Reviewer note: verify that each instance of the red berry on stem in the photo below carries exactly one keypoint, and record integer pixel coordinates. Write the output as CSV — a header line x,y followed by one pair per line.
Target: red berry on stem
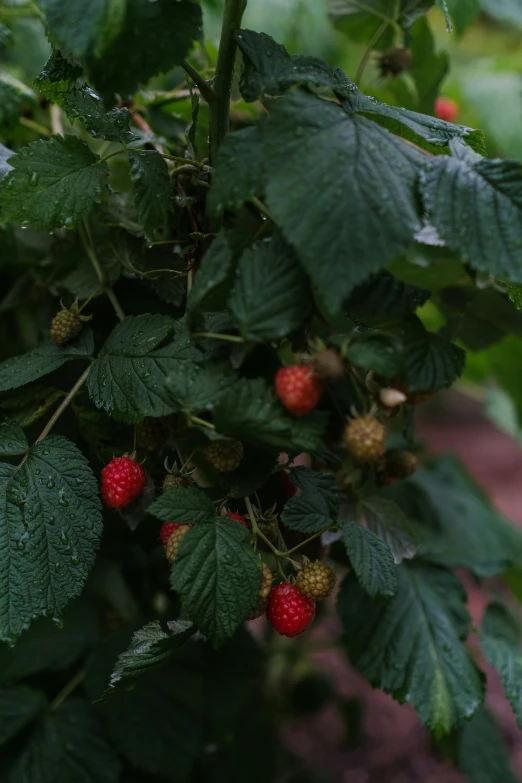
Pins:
x,y
237,518
299,388
446,109
289,611
166,529
123,480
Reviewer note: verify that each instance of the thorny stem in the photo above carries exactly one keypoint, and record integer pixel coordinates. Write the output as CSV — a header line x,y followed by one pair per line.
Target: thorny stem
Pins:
x,y
64,404
206,91
220,107
369,49
68,689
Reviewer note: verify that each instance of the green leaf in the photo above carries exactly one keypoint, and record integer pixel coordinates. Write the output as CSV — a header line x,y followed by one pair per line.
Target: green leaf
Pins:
x,y
463,13
251,412
158,725
317,507
430,361
386,519
83,104
271,296
482,753
52,183
66,741
238,172
363,20
183,505
382,221
482,220
5,167
371,559
377,353
12,438
455,522
49,531
217,575
25,406
151,186
196,388
57,76
20,370
423,129
384,294
150,648
411,646
214,271
19,706
47,647
129,377
102,34
13,95
270,70
500,642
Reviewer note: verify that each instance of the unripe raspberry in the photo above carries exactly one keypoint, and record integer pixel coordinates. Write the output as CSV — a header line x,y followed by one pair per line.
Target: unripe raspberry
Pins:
x,y
175,540
174,481
67,324
446,109
166,529
237,518
394,61
153,433
288,610
328,364
123,480
316,580
365,438
299,388
401,464
224,455
266,584
392,398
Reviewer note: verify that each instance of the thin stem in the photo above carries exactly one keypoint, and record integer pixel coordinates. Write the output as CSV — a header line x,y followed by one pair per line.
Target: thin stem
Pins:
x,y
179,159
110,155
111,296
303,543
220,107
68,689
201,422
190,279
206,91
257,532
35,126
64,404
261,207
369,49
231,338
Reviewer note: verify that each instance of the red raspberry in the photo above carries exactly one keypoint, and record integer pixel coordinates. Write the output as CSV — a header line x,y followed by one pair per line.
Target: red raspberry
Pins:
x,y
288,610
299,388
446,109
123,480
237,518
166,529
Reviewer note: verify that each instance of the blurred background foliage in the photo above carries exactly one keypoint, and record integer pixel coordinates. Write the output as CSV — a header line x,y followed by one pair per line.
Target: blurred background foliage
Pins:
x,y
478,64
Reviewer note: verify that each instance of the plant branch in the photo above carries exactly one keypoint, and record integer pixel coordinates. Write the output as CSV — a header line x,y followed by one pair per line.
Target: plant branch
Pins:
x,y
220,107
68,689
64,404
369,49
206,91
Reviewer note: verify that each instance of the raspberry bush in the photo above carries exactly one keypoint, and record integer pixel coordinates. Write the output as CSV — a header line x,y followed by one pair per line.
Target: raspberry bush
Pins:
x,y
265,271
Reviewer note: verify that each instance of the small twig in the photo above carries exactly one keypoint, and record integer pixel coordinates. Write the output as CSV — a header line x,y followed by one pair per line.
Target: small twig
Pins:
x,y
35,126
206,91
63,405
231,338
68,689
369,49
